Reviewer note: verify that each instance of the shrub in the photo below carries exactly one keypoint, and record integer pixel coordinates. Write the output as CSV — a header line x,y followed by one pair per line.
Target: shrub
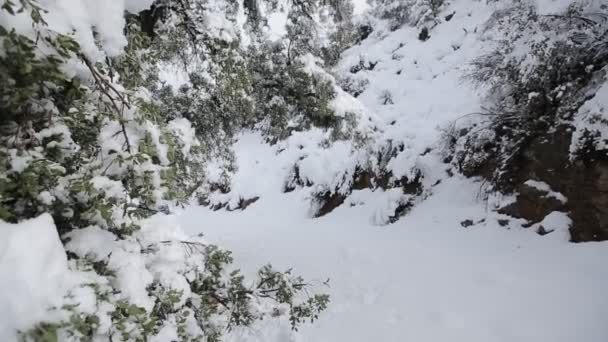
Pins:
x,y
533,91
84,140
412,12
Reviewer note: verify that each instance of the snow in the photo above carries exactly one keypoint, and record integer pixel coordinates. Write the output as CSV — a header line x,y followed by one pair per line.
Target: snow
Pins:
x,y
183,128
424,278
277,21
33,271
19,162
379,204
133,264
361,6
79,18
544,187
46,197
591,118
557,225
111,188
91,240
424,79
132,277
173,75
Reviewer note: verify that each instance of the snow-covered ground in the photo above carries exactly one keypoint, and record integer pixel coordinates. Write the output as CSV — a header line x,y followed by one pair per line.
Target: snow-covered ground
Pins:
x,y
425,277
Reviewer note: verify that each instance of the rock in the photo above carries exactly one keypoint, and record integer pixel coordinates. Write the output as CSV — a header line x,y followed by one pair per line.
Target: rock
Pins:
x,y
466,223
424,34
366,179
503,222
364,31
584,182
244,203
410,186
542,231
328,202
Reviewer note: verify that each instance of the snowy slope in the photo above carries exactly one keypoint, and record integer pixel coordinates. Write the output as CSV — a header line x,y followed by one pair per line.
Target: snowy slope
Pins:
x,y
424,79
426,277
451,269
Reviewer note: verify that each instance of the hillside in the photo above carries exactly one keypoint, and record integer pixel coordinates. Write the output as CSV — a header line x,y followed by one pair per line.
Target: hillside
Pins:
x,y
434,170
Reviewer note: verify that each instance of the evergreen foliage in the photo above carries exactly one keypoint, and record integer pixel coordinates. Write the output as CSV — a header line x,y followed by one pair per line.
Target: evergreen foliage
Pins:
x,y
111,145
411,12
262,84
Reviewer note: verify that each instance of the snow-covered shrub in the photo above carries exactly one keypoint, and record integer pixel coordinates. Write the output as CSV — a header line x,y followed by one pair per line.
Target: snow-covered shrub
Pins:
x,y
339,28
364,64
322,28
263,83
161,284
386,97
81,147
353,85
412,12
538,77
85,139
289,97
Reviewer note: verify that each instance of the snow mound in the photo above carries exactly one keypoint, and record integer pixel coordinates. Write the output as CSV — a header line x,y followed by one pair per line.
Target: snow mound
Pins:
x,y
33,272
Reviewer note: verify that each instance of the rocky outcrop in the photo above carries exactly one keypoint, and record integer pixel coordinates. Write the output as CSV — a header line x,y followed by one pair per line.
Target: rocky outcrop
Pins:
x,y
367,179
327,202
583,181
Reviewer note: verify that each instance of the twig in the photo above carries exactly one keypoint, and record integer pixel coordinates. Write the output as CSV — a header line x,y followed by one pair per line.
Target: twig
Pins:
x,y
190,246
105,87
